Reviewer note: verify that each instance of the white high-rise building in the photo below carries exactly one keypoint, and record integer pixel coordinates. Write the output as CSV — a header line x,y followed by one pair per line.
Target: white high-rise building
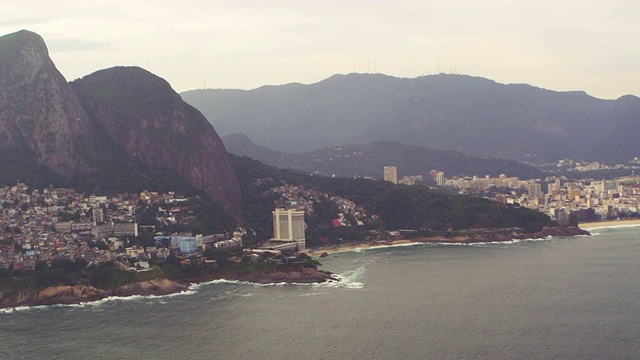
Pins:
x,y
391,174
98,215
440,178
288,225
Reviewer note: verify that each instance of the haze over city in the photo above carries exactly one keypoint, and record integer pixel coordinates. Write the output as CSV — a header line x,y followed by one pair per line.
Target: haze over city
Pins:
x,y
559,45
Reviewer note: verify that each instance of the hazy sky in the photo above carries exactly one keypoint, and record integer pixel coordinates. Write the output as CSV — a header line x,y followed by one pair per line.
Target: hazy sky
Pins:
x,y
560,45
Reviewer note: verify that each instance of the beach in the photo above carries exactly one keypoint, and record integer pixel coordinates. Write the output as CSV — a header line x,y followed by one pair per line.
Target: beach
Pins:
x,y
471,238
609,224
353,246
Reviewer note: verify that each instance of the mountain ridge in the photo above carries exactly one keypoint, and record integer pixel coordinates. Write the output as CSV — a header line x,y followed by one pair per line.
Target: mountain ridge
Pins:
x,y
478,116
368,160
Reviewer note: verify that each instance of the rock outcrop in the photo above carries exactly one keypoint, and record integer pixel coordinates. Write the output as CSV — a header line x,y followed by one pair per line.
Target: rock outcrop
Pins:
x,y
140,112
38,109
304,276
83,293
54,295
161,286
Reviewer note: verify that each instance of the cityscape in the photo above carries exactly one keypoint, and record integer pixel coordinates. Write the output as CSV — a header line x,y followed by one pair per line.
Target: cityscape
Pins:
x,y
43,225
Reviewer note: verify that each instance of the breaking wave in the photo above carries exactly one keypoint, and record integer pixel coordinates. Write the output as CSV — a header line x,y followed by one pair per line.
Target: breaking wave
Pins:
x,y
349,280
94,304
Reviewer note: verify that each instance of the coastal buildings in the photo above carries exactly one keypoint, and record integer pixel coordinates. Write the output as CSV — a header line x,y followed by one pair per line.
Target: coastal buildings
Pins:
x,y
391,174
534,190
42,226
288,225
564,201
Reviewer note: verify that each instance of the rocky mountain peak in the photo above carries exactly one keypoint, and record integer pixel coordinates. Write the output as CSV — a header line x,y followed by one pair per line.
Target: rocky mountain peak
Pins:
x,y
142,114
38,109
111,123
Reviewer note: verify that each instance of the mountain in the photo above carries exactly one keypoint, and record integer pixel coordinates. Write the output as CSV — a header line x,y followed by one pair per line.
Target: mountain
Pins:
x,y
119,129
369,160
39,112
474,115
142,114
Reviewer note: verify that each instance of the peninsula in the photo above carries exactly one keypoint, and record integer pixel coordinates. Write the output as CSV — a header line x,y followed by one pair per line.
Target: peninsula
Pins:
x,y
75,294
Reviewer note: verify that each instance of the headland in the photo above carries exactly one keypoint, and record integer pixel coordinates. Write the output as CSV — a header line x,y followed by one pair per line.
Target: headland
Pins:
x,y
75,294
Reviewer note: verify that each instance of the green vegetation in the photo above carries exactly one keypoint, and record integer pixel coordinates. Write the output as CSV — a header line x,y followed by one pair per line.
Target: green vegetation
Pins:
x,y
63,272
107,276
207,217
398,206
115,171
20,165
417,207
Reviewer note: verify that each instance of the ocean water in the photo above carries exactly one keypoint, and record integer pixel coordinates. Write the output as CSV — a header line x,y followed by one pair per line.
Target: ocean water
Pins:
x,y
564,298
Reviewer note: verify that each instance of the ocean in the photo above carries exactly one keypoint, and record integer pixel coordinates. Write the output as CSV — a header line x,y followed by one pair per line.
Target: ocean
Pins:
x,y
557,298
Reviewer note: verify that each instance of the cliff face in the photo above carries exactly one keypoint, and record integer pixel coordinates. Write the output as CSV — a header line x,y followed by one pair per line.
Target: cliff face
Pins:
x,y
142,114
38,109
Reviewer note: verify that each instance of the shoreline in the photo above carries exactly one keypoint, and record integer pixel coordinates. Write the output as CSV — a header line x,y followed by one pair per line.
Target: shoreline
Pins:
x,y
82,294
458,240
79,294
609,224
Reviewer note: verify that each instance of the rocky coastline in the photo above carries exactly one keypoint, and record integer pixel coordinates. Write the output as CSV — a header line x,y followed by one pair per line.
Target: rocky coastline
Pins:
x,y
560,231
75,294
304,276
162,286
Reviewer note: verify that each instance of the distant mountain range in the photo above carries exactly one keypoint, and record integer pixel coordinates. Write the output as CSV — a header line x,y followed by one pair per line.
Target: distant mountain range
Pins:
x,y
476,116
369,160
120,128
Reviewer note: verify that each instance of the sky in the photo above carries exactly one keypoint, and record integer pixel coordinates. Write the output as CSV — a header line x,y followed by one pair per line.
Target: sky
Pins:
x,y
559,45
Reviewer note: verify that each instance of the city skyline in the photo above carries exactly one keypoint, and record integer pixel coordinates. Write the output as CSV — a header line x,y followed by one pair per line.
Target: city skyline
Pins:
x,y
565,45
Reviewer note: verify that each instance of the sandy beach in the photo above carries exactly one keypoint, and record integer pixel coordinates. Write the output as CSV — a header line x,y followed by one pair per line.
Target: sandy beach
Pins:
x,y
608,224
316,252
379,244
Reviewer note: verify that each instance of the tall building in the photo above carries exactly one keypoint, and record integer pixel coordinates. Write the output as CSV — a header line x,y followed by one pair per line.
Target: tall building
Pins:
x,y
98,215
534,190
288,225
440,178
391,174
